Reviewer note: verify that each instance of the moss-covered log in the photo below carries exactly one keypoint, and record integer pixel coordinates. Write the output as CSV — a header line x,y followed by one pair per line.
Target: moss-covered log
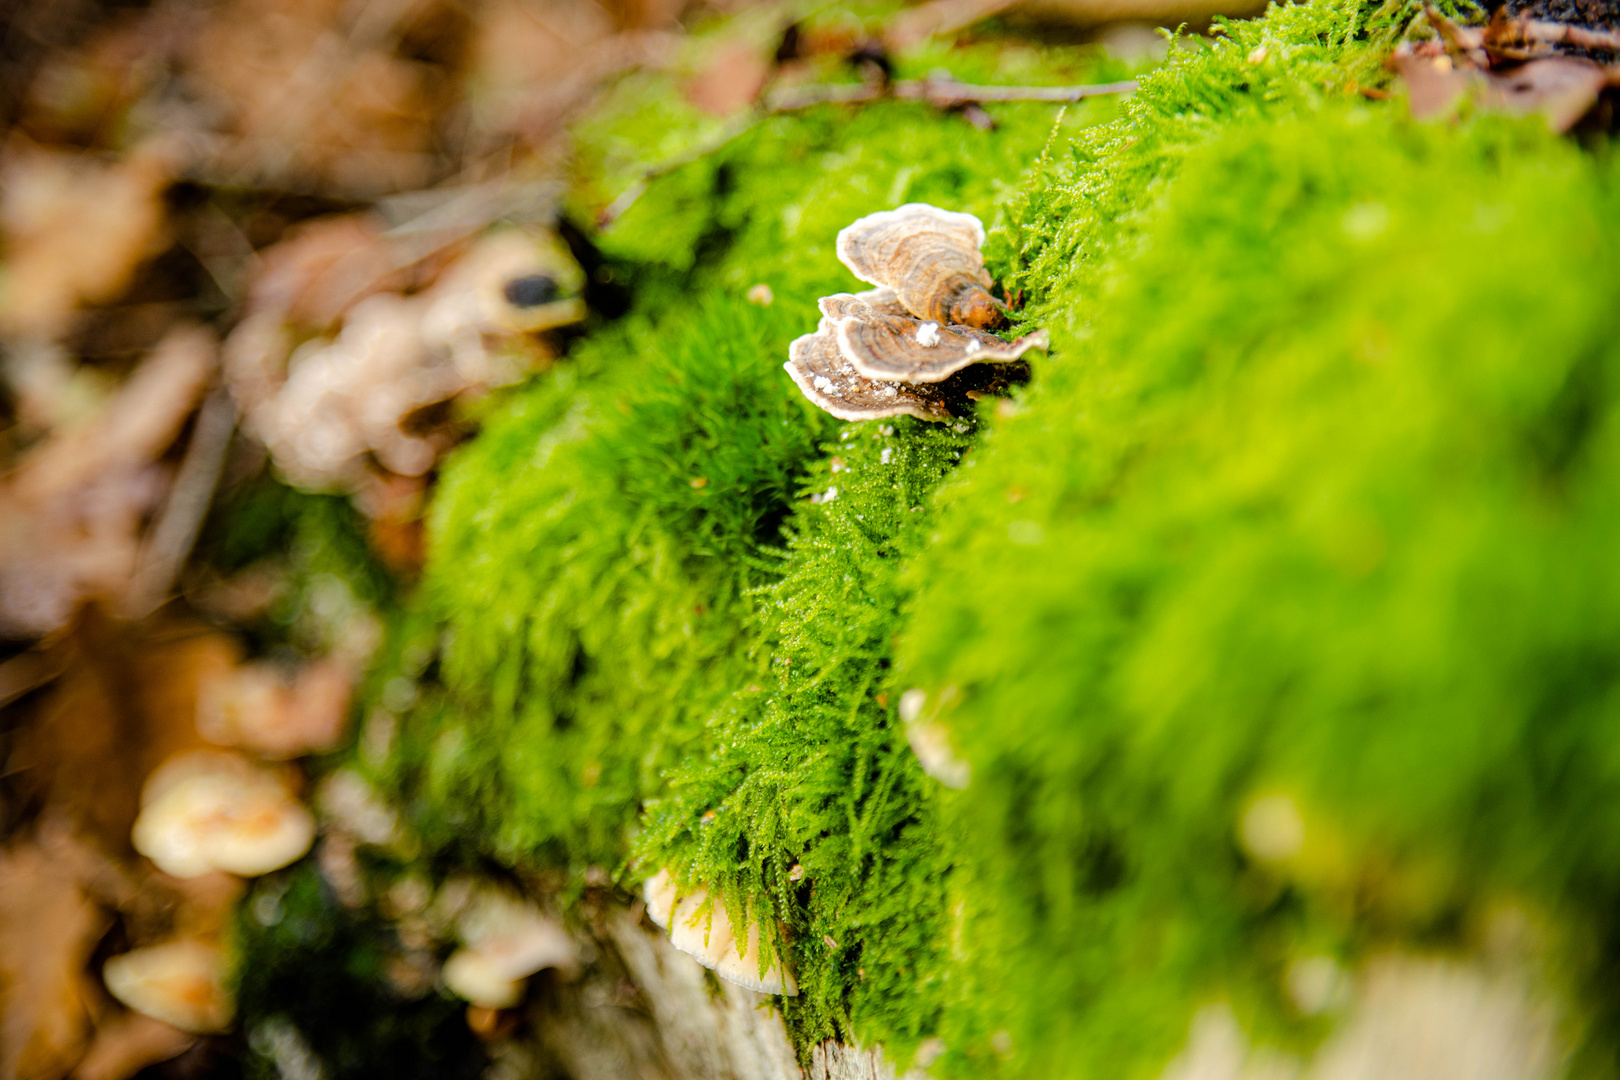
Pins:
x,y
1277,621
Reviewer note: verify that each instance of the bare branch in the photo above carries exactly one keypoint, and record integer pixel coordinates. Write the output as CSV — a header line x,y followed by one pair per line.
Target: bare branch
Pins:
x,y
942,93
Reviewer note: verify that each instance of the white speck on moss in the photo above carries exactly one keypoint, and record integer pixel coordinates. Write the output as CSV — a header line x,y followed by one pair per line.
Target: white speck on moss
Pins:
x,y
886,429
1272,829
932,744
911,704
928,335
887,455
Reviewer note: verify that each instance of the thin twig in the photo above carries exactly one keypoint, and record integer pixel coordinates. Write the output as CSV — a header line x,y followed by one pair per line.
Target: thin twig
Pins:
x,y
1537,32
1464,42
176,529
27,672
940,93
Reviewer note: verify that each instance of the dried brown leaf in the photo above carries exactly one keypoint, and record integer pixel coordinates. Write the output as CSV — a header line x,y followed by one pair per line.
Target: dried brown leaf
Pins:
x,y
1561,88
129,1042
273,713
76,227
732,79
71,516
48,929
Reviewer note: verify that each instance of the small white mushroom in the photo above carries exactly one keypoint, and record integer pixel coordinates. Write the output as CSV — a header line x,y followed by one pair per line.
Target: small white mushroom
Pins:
x,y
710,938
180,983
476,978
207,810
505,940
930,258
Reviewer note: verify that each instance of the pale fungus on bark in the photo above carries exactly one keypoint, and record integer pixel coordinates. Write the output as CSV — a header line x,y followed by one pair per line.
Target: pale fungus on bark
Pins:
x,y
709,937
210,810
328,408
180,983
505,939
930,258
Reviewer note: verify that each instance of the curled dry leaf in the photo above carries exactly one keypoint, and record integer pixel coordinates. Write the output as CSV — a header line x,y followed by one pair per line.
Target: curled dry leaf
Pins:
x,y
211,810
709,937
1563,89
930,258
732,79
181,983
274,713
331,407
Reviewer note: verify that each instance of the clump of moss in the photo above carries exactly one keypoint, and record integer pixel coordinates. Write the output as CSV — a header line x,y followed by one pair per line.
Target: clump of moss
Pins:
x,y
812,806
591,554
1315,499
628,543
1298,445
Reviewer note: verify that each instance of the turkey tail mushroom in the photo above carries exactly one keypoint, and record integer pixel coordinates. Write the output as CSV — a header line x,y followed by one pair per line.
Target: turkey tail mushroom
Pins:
x,y
930,258
832,383
900,348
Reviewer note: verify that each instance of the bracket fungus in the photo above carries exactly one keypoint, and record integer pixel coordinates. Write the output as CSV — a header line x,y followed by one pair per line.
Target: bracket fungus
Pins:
x,y
210,810
930,258
899,347
827,378
916,344
180,983
708,937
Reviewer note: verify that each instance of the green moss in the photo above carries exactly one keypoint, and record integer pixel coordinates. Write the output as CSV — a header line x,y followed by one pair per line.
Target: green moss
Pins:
x,y
811,806
1312,497
1315,497
591,551
628,546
